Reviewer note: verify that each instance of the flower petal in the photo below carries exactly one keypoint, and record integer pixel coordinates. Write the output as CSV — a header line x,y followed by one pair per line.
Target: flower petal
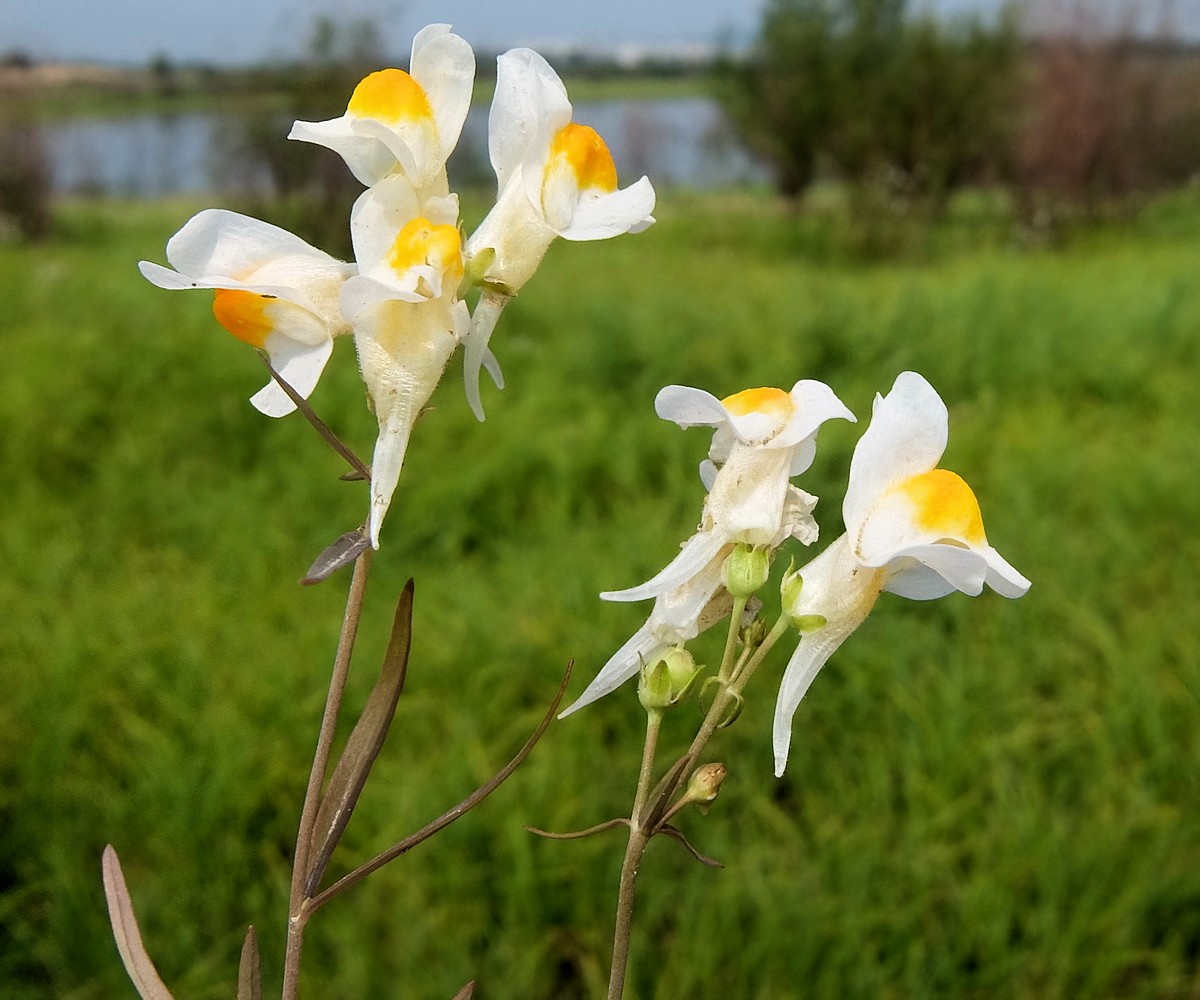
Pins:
x,y
300,365
689,407
696,553
810,656
625,663
1002,577
529,106
217,241
386,463
444,65
608,215
814,403
906,437
361,293
963,568
379,213
369,160
475,347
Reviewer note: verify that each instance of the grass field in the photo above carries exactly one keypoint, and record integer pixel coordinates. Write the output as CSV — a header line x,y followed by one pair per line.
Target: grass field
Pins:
x,y
985,798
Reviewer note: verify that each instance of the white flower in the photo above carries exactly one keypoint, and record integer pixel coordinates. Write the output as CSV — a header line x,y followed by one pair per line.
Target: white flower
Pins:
x,y
678,615
407,121
273,291
911,529
763,438
556,178
406,315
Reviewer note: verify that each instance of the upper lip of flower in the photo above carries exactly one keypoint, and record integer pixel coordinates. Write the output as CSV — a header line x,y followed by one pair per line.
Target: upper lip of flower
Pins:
x,y
419,135
230,252
903,512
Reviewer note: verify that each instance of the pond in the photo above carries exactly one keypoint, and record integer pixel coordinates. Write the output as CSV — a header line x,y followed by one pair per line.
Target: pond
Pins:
x,y
675,141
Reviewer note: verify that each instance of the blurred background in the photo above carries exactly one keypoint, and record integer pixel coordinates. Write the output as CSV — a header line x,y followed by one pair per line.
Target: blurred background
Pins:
x,y
985,798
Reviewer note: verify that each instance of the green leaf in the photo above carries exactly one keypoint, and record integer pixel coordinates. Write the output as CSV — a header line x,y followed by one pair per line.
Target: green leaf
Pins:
x,y
364,744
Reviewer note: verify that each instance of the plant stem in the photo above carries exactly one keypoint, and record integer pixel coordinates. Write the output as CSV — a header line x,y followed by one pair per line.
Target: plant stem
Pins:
x,y
298,910
629,869
735,622
653,725
736,675
633,854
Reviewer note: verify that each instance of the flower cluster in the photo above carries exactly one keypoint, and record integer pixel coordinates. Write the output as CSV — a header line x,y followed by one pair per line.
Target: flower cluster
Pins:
x,y
402,297
912,528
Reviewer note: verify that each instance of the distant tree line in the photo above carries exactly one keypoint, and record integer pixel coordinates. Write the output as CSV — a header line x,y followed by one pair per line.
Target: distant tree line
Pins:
x,y
1071,114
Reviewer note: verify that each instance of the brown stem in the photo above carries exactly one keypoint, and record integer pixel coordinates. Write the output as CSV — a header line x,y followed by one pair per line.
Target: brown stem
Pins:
x,y
319,425
649,819
298,908
638,839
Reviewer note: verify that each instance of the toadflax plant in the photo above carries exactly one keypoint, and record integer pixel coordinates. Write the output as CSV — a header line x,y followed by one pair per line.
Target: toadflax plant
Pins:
x,y
418,289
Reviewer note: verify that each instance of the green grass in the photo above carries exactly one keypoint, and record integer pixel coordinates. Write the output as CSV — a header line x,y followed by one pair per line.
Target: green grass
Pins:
x,y
985,798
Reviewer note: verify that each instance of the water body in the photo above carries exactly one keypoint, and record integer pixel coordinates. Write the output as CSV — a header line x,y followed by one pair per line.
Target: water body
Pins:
x,y
675,141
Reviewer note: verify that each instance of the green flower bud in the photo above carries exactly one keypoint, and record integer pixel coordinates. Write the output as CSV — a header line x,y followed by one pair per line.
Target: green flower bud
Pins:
x,y
790,587
478,265
747,569
790,590
667,680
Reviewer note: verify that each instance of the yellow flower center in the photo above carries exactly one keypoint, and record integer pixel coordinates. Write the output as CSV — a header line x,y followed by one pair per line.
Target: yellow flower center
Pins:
x,y
423,242
945,505
244,314
389,96
587,155
768,401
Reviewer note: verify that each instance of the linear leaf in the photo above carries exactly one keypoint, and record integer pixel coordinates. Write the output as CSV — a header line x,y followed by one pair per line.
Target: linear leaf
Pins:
x,y
345,549
125,929
466,992
250,969
676,834
364,744
450,815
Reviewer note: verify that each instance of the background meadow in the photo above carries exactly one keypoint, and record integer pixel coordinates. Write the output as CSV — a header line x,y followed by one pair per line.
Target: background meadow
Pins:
x,y
985,798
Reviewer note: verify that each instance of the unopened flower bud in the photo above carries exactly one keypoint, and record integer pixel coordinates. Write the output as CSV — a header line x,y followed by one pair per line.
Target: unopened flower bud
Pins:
x,y
705,782
479,263
747,569
754,633
665,681
790,588
791,592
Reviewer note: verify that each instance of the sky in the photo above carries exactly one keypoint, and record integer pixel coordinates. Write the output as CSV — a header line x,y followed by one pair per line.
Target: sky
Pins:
x,y
246,31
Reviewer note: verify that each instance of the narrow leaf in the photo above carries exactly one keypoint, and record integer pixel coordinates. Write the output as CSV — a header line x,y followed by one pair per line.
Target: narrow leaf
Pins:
x,y
450,815
125,929
250,969
466,992
677,835
611,824
364,744
344,550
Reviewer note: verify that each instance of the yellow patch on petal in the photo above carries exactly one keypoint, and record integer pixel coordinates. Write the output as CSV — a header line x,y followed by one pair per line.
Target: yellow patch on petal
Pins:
x,y
945,504
769,402
587,155
244,314
389,96
423,242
